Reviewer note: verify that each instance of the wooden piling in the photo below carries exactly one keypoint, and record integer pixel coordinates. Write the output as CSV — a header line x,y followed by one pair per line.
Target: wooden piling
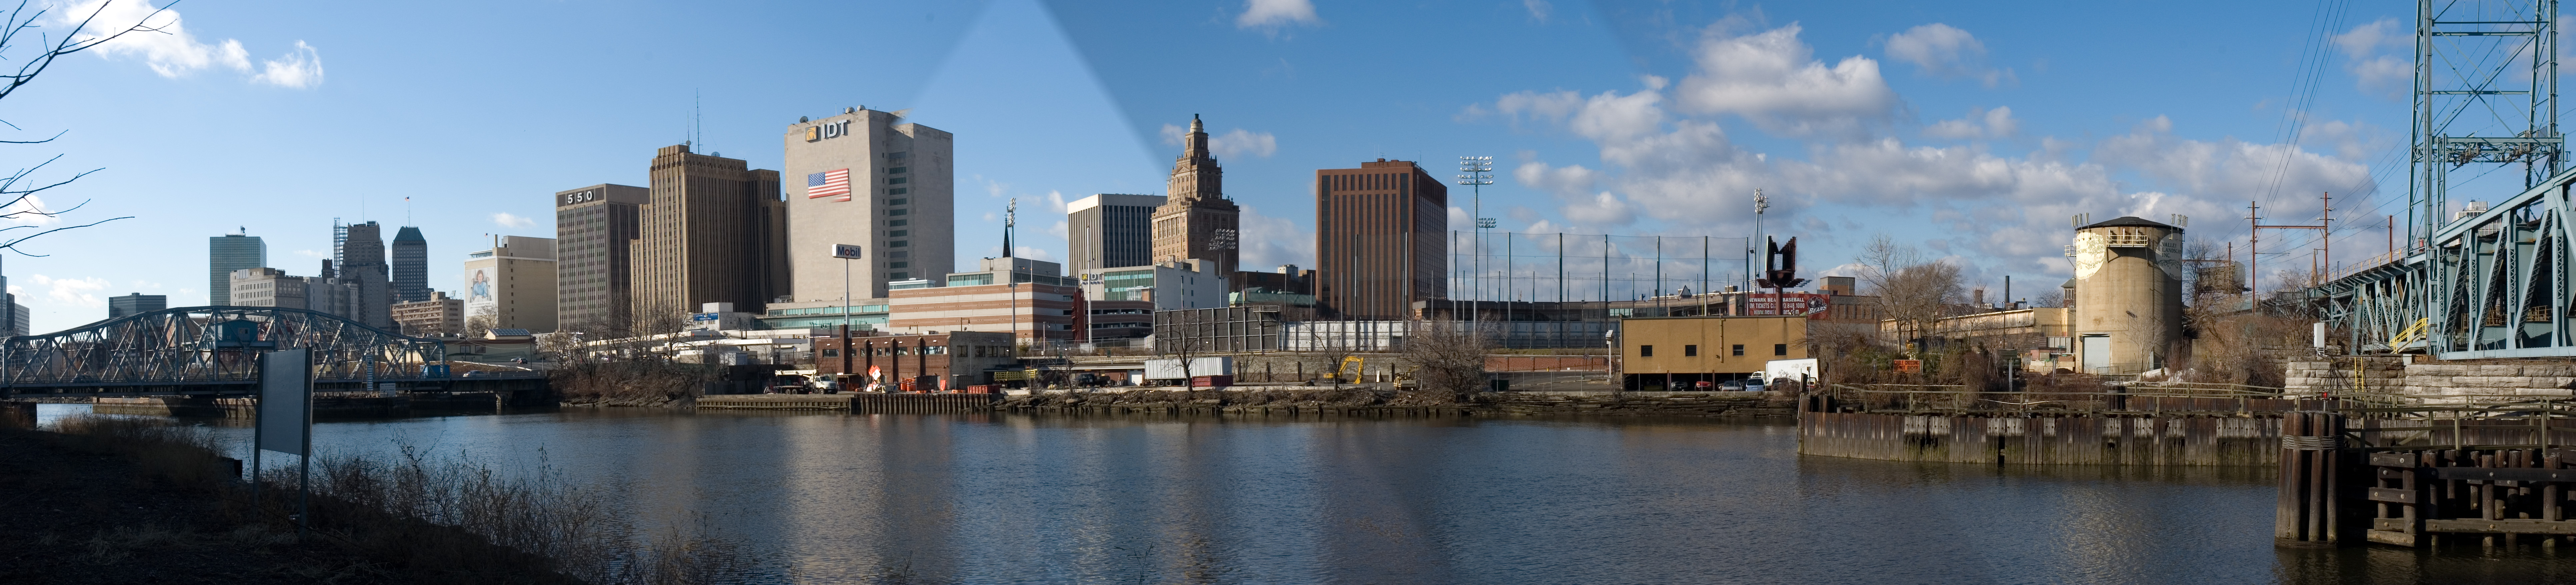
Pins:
x,y
2306,512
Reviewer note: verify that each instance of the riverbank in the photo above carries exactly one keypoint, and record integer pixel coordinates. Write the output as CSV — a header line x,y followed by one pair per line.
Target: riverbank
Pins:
x,y
1363,400
79,512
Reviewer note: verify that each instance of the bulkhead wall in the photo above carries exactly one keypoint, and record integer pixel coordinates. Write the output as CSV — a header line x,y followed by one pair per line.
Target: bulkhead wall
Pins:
x,y
2128,295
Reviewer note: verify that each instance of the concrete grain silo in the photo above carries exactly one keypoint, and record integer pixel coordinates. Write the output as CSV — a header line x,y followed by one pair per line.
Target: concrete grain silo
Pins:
x,y
2128,295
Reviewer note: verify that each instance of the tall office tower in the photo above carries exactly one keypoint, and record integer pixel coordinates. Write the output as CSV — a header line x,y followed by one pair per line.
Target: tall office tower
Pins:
x,y
1109,231
594,277
1381,239
1197,221
13,316
865,179
411,266
709,233
136,303
362,262
225,254
512,285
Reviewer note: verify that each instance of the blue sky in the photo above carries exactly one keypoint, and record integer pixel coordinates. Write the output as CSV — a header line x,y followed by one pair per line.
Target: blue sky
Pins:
x,y
1969,130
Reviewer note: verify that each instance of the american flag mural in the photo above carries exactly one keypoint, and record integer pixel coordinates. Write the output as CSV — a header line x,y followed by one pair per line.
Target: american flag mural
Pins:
x,y
827,184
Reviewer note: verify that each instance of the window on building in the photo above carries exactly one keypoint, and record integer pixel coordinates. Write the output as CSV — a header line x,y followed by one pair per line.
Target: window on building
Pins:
x,y
831,353
900,222
900,191
899,202
902,276
1739,349
900,233
898,170
1779,349
898,180
900,212
1645,351
898,264
1690,350
898,244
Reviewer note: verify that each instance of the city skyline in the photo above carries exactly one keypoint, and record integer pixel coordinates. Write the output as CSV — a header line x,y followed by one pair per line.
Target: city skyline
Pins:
x,y
1953,105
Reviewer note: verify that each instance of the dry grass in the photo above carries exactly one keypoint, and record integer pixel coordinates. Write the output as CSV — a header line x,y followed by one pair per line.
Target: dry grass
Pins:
x,y
2244,349
443,521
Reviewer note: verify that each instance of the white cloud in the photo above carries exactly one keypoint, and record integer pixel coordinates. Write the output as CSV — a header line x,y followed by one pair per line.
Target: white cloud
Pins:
x,y
1941,50
512,221
1175,135
1538,9
1054,202
78,292
1604,209
1269,241
170,50
1240,141
2374,71
1773,80
1980,123
313,253
1273,14
299,69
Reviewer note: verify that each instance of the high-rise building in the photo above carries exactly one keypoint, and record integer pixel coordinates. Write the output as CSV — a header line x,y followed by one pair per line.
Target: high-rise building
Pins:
x,y
225,254
511,285
410,266
710,232
1196,221
361,257
862,178
435,316
594,227
1381,239
14,318
136,303
1108,231
270,287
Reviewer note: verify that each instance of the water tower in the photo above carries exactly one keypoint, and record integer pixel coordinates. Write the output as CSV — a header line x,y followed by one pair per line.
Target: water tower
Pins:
x,y
2128,294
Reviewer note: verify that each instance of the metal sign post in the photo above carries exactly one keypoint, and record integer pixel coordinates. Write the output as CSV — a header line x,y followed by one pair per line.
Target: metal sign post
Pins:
x,y
285,422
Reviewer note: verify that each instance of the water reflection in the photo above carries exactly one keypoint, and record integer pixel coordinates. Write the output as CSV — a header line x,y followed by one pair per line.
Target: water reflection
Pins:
x,y
826,498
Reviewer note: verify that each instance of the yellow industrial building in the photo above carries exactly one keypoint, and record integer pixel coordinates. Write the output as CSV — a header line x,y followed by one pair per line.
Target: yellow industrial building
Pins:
x,y
1679,352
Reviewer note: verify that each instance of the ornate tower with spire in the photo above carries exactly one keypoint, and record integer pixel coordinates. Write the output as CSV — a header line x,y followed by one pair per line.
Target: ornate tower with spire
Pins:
x,y
1197,221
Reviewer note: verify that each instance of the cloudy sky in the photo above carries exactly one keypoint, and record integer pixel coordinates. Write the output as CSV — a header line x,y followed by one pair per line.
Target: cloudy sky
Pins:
x,y
1969,130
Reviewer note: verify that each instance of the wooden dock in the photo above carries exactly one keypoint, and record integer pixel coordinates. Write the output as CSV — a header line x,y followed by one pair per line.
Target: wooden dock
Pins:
x,y
854,403
2091,429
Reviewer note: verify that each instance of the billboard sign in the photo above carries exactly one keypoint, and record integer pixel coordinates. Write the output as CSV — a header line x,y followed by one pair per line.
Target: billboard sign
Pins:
x,y
845,251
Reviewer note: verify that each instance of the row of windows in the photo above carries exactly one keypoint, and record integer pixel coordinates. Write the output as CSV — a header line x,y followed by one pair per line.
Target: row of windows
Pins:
x,y
1777,349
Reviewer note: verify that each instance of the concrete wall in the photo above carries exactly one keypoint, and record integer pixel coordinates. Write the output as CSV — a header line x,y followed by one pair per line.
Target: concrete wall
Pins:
x,y
2128,288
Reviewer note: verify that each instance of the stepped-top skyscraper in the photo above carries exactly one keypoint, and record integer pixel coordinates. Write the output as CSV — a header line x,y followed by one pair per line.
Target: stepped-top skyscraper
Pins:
x,y
1196,220
862,177
225,254
361,260
711,231
411,266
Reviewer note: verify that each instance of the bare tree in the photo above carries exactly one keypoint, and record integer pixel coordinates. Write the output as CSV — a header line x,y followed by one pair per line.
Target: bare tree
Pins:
x,y
1913,291
1448,361
1185,336
480,322
18,200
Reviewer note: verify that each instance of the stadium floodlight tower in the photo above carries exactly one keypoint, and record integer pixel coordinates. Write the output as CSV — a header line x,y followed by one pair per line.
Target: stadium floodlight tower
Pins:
x,y
1479,173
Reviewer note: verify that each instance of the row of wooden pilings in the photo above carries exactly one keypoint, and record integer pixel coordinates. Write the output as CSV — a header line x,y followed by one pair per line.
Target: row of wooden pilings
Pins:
x,y
2500,481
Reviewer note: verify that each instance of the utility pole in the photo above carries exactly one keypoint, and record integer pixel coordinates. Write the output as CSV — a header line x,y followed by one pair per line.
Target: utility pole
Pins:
x,y
1479,173
2325,234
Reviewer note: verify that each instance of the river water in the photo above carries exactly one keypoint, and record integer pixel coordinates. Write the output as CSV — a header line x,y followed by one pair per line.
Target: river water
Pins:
x,y
999,498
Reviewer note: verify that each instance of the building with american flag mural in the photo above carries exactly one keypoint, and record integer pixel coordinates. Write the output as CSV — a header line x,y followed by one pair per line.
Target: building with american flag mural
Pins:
x,y
868,178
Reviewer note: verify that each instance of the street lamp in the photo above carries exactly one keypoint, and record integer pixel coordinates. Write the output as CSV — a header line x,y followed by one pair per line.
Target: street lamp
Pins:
x,y
845,252
1609,355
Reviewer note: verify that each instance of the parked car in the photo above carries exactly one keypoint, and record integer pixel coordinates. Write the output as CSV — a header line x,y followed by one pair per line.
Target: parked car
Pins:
x,y
1731,386
1753,386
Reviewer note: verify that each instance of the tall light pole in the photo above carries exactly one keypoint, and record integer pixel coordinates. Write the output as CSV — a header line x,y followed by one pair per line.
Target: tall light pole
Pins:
x,y
1479,173
845,252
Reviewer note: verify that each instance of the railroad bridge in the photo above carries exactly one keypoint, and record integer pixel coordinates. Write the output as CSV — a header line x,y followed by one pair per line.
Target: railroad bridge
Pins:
x,y
214,352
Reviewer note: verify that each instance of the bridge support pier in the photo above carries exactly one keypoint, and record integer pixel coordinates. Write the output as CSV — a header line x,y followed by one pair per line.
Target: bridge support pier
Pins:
x,y
2308,512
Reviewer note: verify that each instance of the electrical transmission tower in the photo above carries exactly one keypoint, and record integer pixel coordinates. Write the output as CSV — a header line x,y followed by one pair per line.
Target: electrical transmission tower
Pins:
x,y
2486,94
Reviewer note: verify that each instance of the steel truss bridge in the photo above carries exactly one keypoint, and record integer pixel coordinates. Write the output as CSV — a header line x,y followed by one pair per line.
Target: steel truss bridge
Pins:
x,y
213,351
2470,282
